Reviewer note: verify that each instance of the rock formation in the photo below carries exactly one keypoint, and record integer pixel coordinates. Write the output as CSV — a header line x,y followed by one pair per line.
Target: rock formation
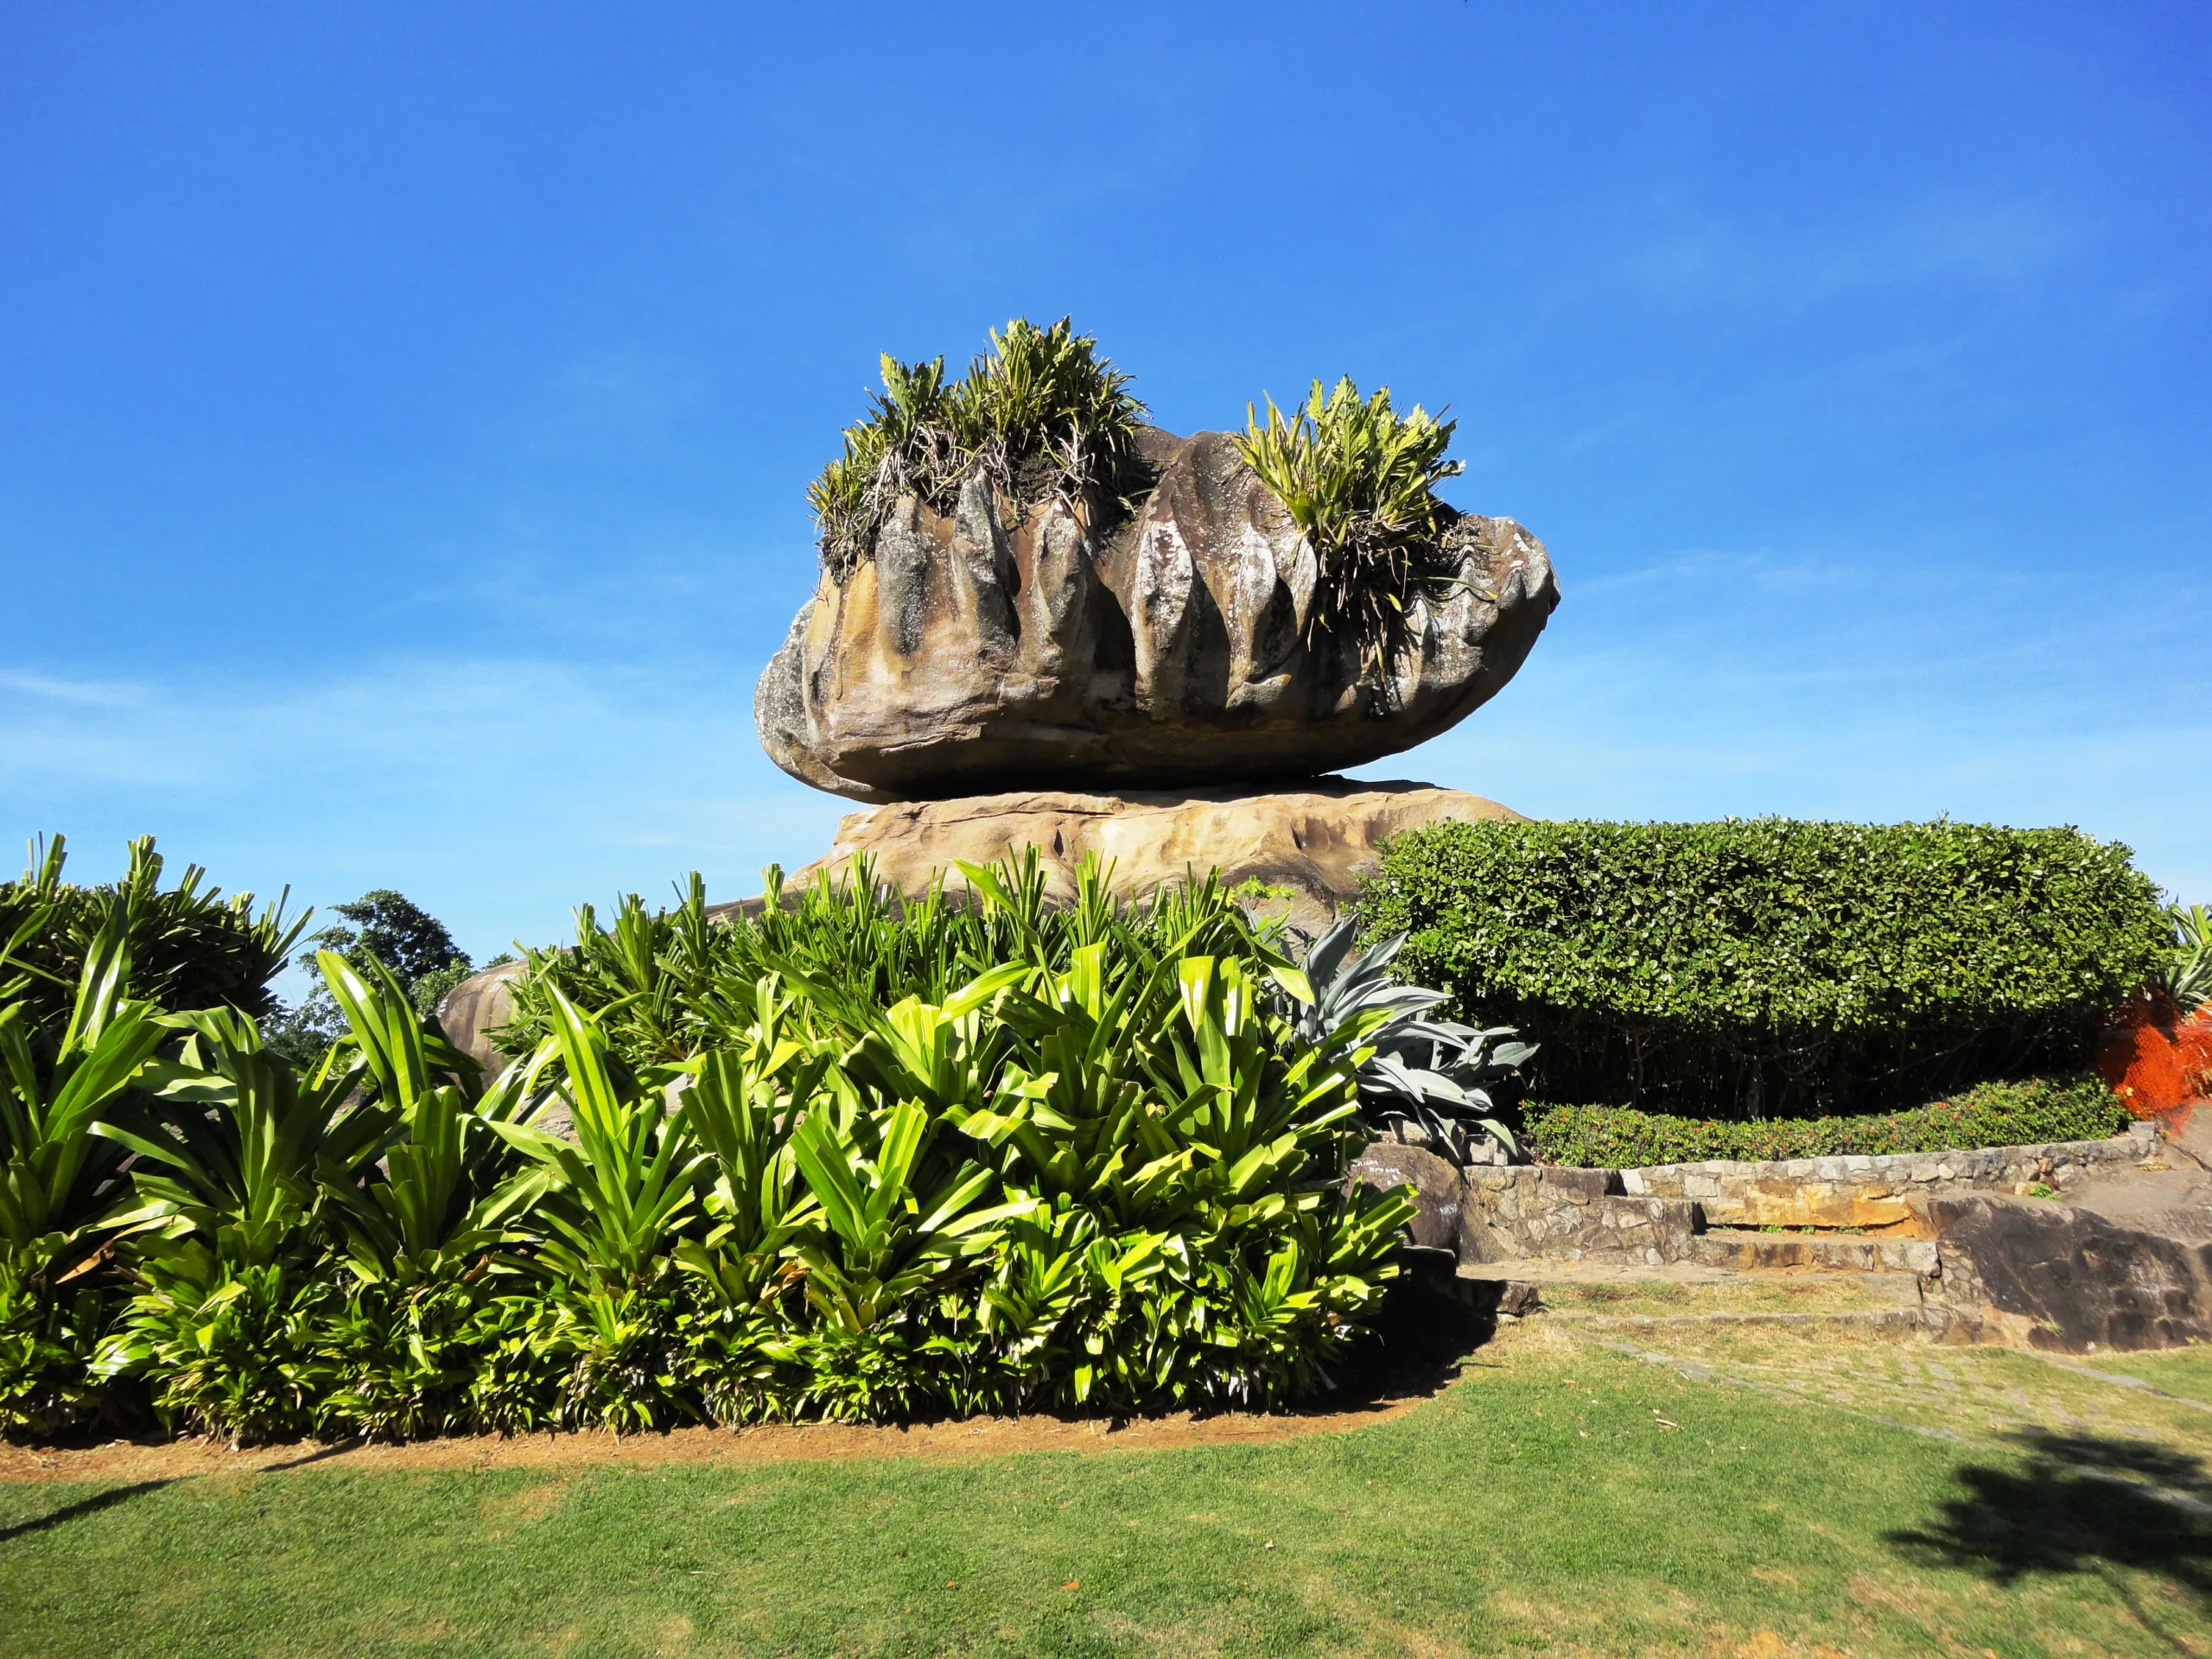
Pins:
x,y
1095,680
1168,649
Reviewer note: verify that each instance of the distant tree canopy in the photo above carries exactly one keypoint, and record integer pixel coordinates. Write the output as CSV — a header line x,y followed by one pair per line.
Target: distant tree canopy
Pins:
x,y
388,925
395,930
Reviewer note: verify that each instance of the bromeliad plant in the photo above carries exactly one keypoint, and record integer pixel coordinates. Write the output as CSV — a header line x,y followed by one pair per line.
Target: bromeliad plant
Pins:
x,y
428,1232
628,1184
229,1138
61,1183
445,1188
301,1239
1359,480
60,1178
1039,416
2187,978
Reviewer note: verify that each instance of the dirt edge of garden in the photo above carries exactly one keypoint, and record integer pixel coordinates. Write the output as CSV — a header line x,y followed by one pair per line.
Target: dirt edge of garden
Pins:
x,y
954,1439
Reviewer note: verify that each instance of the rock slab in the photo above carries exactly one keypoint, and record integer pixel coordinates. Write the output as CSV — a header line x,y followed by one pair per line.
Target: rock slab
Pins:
x,y
1438,1192
2069,1279
1168,648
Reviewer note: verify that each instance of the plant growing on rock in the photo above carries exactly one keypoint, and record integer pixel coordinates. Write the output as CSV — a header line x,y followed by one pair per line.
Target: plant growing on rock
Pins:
x,y
1039,416
1359,480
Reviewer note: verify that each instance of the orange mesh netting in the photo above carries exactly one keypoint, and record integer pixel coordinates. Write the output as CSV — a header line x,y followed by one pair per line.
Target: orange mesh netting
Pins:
x,y
2156,1061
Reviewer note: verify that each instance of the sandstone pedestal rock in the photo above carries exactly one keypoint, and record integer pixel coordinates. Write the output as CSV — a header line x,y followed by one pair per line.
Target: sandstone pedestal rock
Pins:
x,y
1169,648
1317,838
1143,685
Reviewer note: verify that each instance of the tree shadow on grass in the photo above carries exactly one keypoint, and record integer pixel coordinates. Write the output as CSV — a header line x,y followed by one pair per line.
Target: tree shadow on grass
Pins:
x,y
2078,1504
93,1505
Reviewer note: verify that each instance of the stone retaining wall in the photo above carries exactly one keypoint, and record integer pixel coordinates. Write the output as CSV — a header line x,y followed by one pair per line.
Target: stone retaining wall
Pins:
x,y
1570,1215
1654,1216
1869,1189
1523,1213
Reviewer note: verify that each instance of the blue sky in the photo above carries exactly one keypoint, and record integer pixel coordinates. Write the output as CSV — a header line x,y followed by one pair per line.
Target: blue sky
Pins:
x,y
404,410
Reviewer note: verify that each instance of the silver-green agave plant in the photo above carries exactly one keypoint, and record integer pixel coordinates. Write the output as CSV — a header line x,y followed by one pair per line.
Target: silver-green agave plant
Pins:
x,y
2187,976
1435,1075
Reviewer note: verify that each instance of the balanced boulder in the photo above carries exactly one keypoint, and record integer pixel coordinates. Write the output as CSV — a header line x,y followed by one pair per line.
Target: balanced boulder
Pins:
x,y
1169,647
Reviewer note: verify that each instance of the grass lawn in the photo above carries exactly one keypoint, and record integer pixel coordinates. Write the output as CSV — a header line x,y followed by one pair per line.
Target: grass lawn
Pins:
x,y
2184,1371
1559,1498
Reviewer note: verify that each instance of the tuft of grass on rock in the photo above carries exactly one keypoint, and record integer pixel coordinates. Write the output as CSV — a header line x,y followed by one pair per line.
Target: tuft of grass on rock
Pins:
x,y
1359,480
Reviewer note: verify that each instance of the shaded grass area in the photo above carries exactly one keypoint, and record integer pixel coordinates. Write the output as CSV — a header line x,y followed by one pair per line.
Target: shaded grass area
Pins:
x,y
1543,1504
1969,1396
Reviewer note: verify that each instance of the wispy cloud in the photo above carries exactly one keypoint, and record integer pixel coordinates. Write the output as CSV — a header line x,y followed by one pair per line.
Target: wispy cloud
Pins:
x,y
509,791
47,688
1937,240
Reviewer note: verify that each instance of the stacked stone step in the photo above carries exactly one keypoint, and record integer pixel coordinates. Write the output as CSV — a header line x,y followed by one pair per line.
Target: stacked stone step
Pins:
x,y
1574,1215
1754,1252
1983,1263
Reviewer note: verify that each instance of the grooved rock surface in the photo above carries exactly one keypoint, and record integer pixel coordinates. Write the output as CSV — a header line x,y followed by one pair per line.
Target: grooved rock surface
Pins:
x,y
1317,840
1166,650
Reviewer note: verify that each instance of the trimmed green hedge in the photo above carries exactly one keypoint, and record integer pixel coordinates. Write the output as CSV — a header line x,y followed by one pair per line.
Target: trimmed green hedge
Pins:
x,y
1768,967
1993,1114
